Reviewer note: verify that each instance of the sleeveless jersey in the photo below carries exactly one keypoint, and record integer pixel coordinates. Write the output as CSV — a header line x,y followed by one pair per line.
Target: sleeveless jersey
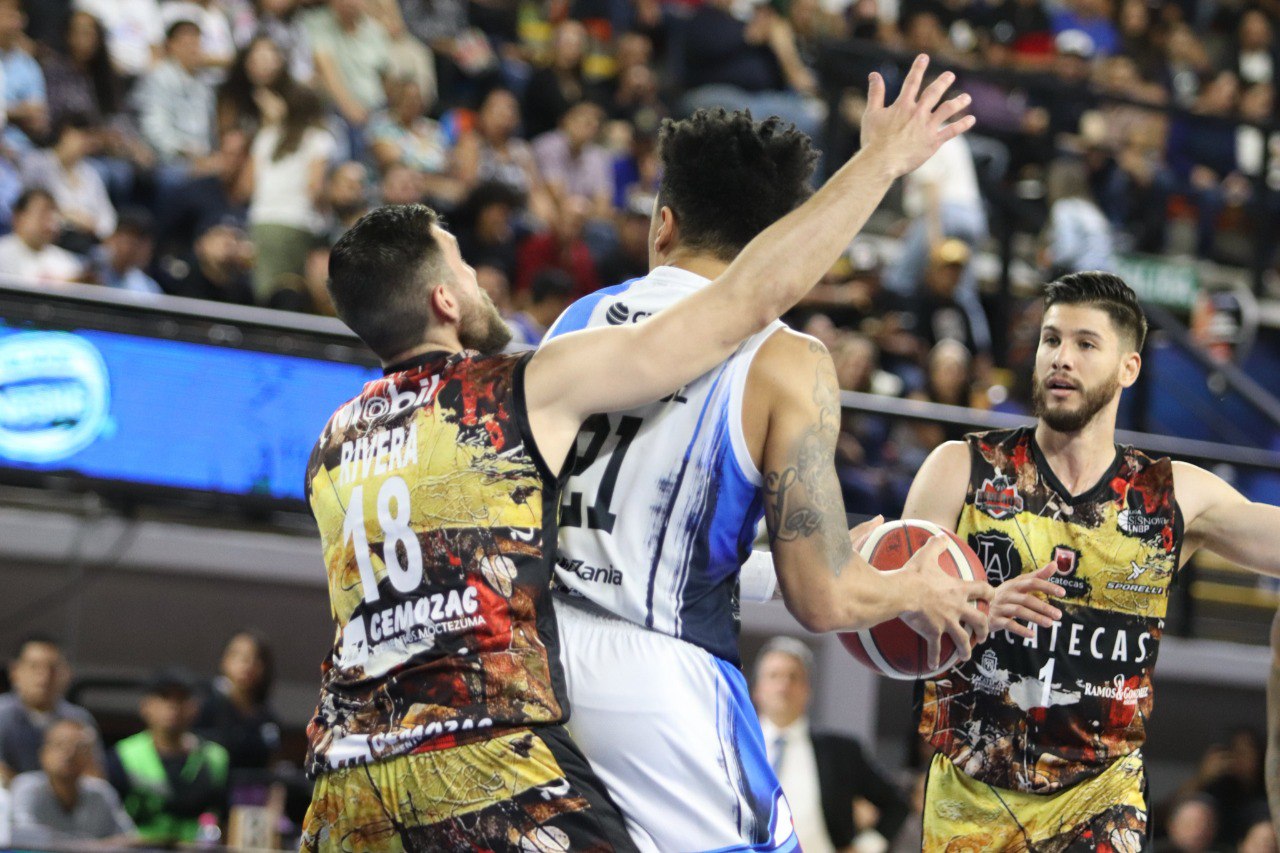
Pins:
x,y
661,503
1039,715
429,495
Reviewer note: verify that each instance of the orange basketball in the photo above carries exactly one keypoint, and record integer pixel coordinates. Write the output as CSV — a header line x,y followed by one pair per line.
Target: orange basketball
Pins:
x,y
893,648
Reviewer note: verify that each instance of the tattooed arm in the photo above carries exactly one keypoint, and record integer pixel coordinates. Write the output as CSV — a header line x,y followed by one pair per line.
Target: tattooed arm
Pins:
x,y
825,584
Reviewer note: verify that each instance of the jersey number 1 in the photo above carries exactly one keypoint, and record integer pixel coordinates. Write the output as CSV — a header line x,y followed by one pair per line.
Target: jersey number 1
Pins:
x,y
598,515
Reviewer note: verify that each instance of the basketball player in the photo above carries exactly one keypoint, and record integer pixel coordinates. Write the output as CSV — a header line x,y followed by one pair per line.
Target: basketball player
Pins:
x,y
439,722
663,500
1039,734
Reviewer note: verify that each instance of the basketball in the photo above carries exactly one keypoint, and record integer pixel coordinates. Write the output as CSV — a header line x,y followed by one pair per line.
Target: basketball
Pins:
x,y
893,648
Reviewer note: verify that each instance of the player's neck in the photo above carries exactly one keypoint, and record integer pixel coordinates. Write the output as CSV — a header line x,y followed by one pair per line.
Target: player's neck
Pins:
x,y
697,263
1079,459
437,340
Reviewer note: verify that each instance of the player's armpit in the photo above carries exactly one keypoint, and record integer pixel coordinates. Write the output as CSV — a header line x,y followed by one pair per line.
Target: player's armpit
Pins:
x,y
1220,519
937,493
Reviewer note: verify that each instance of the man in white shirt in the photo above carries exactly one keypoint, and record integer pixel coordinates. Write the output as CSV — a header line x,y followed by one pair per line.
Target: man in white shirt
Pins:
x,y
28,253
822,774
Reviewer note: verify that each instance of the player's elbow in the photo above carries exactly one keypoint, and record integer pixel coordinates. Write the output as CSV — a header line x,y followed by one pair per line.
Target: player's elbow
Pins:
x,y
816,614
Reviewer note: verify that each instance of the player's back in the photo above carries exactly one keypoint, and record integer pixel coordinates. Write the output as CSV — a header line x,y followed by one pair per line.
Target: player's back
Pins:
x,y
662,502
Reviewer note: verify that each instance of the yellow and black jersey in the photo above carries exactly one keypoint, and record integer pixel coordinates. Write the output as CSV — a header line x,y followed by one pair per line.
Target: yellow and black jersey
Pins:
x,y
1041,714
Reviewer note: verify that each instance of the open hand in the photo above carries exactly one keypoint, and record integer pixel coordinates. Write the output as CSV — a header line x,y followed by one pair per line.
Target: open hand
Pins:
x,y
945,605
913,127
1019,599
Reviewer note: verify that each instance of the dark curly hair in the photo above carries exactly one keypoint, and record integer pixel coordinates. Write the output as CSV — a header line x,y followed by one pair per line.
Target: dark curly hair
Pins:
x,y
1106,292
727,178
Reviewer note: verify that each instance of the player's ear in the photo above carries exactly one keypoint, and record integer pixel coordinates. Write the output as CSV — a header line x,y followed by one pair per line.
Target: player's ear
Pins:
x,y
444,305
1130,367
668,232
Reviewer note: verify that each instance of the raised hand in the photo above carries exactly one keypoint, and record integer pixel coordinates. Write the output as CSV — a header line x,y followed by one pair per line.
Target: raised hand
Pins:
x,y
914,126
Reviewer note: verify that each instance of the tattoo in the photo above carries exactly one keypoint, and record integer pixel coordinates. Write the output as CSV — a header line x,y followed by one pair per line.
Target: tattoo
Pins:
x,y
804,498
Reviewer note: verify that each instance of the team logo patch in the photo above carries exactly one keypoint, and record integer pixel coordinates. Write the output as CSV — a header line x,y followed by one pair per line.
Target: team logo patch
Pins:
x,y
1134,519
617,314
998,498
1067,560
998,555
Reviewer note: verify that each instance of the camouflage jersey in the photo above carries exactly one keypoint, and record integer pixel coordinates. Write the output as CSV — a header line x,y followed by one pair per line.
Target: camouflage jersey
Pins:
x,y
1039,715
429,494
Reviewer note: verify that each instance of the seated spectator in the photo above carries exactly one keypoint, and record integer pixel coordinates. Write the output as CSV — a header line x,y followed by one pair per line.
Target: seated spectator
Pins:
x,y
404,135
561,247
39,675
175,105
259,65
81,81
408,58
29,253
1260,836
487,232
401,185
1065,94
464,57
948,380
1186,64
47,23
1091,17
166,775
217,46
236,711
216,268
120,260
751,65
629,257
25,100
1254,56
61,803
824,775
936,312
1079,235
573,164
287,166
135,35
1139,38
76,187
352,53
1193,823
346,198
1135,192
550,294
492,153
553,89
1202,154
206,199
280,21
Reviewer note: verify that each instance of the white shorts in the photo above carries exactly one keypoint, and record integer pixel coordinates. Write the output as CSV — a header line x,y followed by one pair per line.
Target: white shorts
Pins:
x,y
671,731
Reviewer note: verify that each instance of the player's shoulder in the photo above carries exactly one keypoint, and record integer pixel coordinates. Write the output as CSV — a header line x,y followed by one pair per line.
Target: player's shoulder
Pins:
x,y
785,365
949,459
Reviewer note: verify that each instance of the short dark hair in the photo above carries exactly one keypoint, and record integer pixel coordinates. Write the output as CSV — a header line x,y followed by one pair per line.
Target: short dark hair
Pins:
x,y
1106,292
178,26
29,195
71,121
727,178
379,274
137,221
35,640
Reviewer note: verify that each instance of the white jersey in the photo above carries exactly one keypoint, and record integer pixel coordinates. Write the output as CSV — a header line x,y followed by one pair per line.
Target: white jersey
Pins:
x,y
661,503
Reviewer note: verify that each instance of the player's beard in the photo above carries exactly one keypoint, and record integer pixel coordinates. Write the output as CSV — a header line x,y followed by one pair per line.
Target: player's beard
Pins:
x,y
483,328
1092,401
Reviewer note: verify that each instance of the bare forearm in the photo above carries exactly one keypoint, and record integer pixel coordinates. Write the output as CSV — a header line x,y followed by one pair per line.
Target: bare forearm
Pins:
x,y
858,598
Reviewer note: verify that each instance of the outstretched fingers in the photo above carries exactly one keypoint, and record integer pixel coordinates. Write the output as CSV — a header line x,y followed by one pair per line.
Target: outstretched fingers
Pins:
x,y
933,94
911,85
875,92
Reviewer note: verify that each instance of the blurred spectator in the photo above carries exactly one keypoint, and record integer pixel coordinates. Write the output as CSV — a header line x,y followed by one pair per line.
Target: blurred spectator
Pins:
x,y
1065,95
1260,837
1193,823
217,46
119,262
176,106
1202,153
279,21
629,257
217,267
24,92
352,52
1186,63
636,172
400,185
550,294
636,100
206,199
76,187
346,198
61,803
259,66
403,134
949,381
1094,18
134,32
166,775
493,153
1254,56
39,675
752,64
936,312
1079,235
81,81
563,247
1230,775
552,90
1257,105
494,283
287,165
408,58
236,711
573,164
1136,191
486,227
827,777
1138,37
47,22
29,253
